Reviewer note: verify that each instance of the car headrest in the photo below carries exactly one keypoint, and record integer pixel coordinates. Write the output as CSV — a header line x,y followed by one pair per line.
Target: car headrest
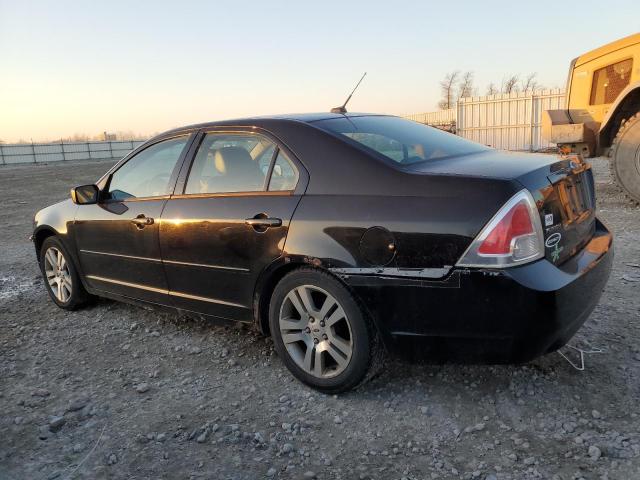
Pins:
x,y
233,161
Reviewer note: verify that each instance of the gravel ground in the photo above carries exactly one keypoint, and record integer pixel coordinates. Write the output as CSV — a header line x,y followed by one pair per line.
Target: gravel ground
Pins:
x,y
116,391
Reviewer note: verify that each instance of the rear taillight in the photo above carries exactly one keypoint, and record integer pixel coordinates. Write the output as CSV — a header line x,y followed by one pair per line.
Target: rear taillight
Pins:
x,y
512,237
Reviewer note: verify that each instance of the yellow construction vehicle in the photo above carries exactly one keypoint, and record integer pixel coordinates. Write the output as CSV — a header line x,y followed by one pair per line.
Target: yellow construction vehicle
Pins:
x,y
602,114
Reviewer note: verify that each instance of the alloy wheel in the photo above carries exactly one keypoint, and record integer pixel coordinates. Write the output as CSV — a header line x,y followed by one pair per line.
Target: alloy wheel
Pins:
x,y
315,331
58,275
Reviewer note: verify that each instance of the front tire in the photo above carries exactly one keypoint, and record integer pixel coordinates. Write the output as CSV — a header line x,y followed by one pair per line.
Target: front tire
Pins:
x,y
625,156
60,276
321,333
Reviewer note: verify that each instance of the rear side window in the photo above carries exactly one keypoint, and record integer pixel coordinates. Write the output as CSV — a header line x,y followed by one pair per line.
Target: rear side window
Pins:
x,y
284,175
609,81
403,141
227,163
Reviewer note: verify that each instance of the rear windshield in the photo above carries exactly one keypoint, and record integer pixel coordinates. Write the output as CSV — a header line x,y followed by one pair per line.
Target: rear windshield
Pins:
x,y
403,141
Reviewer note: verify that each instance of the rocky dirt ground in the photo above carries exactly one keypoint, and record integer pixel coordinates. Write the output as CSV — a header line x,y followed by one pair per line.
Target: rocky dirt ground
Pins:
x,y
116,391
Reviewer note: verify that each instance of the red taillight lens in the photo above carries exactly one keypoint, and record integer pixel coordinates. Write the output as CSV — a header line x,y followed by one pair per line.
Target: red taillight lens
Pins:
x,y
512,237
515,223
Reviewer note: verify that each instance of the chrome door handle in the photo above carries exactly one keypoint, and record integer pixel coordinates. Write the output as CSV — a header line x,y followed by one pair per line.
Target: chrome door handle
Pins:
x,y
142,221
264,222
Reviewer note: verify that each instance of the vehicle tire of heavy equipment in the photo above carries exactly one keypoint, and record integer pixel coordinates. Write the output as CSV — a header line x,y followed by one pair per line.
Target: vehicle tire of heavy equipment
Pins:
x,y
321,332
625,157
60,276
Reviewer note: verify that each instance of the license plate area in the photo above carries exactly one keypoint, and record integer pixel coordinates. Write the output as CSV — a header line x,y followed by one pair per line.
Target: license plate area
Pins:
x,y
575,196
571,199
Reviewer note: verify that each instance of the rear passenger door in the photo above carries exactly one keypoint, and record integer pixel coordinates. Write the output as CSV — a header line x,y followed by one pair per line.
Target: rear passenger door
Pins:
x,y
228,220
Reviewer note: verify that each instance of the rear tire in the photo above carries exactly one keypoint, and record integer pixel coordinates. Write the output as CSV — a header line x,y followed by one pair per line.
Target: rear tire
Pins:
x,y
60,276
321,333
625,157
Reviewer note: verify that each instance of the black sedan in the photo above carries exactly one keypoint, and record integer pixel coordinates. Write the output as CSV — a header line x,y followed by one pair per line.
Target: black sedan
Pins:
x,y
343,236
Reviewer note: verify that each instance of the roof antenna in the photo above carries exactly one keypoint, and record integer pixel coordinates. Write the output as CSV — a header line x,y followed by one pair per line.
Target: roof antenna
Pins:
x,y
343,107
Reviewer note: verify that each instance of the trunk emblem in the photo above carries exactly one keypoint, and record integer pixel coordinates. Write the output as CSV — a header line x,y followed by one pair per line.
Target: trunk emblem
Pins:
x,y
553,240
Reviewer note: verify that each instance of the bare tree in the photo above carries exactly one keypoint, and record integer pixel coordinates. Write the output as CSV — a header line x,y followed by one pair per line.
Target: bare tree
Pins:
x,y
492,89
465,89
447,86
129,135
510,84
76,137
513,83
530,83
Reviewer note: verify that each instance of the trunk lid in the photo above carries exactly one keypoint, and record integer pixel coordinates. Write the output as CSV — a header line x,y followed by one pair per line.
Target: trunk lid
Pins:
x,y
562,187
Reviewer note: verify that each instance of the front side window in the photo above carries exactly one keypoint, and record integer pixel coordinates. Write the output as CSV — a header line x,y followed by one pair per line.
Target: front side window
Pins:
x,y
228,163
403,141
609,81
148,173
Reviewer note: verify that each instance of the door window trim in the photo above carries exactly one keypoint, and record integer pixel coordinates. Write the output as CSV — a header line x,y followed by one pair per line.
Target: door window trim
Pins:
x,y
173,178
255,193
181,185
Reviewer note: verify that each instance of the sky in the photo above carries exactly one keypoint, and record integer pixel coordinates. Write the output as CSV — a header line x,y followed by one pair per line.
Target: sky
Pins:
x,y
85,67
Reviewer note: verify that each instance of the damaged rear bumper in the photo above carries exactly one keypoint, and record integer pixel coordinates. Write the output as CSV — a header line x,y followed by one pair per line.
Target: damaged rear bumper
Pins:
x,y
488,315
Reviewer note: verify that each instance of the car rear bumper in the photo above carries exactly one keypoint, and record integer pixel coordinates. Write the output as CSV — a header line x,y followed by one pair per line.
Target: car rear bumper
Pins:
x,y
489,316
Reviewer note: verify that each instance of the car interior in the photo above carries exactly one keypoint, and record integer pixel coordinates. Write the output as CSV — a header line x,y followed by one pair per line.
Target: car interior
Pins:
x,y
230,164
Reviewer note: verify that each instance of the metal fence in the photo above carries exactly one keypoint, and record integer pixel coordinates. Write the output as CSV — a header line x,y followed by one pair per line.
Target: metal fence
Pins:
x,y
440,118
506,121
63,151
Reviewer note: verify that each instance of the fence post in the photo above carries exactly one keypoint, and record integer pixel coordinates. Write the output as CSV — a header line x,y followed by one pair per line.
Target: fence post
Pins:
x,y
64,157
533,117
111,149
2,155
33,151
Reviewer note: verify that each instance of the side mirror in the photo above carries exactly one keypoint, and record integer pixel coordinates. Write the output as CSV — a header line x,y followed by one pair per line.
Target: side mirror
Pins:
x,y
85,194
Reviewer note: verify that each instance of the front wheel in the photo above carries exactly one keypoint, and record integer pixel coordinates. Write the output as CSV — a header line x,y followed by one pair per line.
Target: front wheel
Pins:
x,y
60,276
625,157
321,333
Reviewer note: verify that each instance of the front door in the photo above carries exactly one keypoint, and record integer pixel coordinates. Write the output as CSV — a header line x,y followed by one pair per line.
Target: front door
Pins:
x,y
229,223
117,239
